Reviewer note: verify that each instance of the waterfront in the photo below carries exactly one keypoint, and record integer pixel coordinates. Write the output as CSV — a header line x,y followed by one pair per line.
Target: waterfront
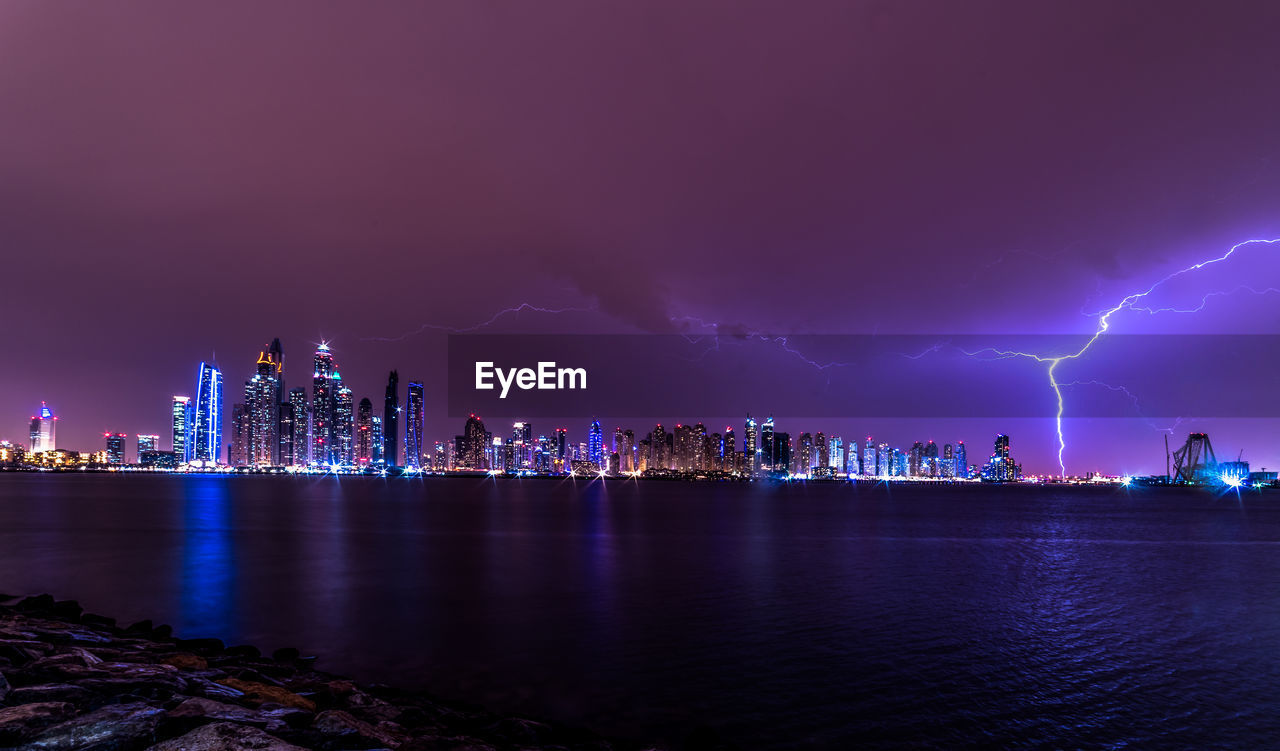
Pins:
x,y
781,615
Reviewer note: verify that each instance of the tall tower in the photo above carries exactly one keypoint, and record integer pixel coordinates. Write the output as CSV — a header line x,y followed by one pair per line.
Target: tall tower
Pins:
x,y
343,419
375,450
116,447
44,430
322,402
413,427
262,407
182,429
206,431
391,420
299,435
364,433
749,438
595,444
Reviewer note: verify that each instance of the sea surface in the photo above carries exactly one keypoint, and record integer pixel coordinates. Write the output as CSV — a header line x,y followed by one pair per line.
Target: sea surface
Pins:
x,y
779,616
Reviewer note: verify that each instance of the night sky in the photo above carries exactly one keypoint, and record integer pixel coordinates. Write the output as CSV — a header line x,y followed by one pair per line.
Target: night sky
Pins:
x,y
179,182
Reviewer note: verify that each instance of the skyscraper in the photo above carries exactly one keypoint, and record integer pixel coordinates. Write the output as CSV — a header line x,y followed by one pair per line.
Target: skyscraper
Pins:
x,y
749,446
474,445
391,421
413,427
343,423
364,433
116,443
262,407
322,403
147,442
44,430
962,461
376,440
182,415
298,437
241,436
206,431
768,451
595,444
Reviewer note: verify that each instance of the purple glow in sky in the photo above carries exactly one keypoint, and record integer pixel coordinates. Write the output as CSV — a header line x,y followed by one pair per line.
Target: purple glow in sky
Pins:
x,y
185,180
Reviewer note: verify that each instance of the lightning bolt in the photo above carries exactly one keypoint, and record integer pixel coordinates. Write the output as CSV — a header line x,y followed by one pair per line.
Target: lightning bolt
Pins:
x,y
1104,325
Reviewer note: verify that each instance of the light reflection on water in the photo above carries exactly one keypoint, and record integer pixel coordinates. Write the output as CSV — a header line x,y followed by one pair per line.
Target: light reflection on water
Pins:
x,y
800,615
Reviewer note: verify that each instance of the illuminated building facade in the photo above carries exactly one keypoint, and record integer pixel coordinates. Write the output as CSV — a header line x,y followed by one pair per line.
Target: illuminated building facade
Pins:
x,y
322,405
262,395
206,430
147,443
44,430
595,444
343,453
364,433
295,431
182,416
116,443
413,426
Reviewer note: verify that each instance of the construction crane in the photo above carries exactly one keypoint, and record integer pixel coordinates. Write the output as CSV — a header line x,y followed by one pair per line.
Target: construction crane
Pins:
x,y
1195,462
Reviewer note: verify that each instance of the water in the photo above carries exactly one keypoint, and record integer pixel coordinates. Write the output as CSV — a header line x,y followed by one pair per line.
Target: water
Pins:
x,y
781,616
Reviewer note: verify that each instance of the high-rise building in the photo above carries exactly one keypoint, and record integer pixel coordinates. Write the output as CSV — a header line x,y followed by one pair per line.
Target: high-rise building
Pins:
x,y
729,450
262,406
295,433
473,446
391,421
206,430
595,444
241,436
377,441
413,427
768,451
364,433
962,461
870,459
147,443
343,423
322,405
182,415
116,443
749,446
561,449
44,430
948,461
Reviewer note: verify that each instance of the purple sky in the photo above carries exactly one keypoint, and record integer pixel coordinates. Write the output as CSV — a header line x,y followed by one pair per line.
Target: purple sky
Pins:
x,y
182,180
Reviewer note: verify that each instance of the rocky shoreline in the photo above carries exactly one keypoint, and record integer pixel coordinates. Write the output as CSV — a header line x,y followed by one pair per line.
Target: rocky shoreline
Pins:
x,y
75,681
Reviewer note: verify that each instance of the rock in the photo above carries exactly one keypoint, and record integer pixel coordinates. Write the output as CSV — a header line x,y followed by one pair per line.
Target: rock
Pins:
x,y
261,692
355,733
98,621
207,709
206,646
115,726
285,654
207,688
46,692
4,688
141,627
20,723
69,609
186,661
226,736
163,631
244,650
35,603
291,716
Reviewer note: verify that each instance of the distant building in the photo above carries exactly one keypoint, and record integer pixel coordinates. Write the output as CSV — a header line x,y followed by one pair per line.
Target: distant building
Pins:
x,y
595,444
147,443
116,443
262,404
364,433
182,417
343,423
158,459
375,456
238,450
322,405
413,427
206,445
44,430
391,421
296,442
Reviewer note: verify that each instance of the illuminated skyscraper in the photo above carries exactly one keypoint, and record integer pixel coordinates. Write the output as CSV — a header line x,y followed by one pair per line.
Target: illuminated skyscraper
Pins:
x,y
749,446
44,430
562,449
948,461
182,414
364,433
116,443
262,407
375,455
730,451
343,423
768,451
322,405
206,430
413,427
295,433
391,421
474,445
870,459
147,443
962,461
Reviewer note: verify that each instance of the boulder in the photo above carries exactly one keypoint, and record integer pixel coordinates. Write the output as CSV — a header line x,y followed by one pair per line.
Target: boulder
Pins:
x,y
20,723
46,692
262,692
196,710
4,688
225,736
355,733
186,661
115,727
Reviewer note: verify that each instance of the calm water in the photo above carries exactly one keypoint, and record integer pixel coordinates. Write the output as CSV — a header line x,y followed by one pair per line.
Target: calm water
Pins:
x,y
781,616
